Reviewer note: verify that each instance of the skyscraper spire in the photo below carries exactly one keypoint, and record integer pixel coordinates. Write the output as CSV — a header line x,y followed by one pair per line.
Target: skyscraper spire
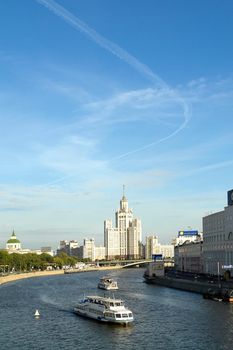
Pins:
x,y
123,191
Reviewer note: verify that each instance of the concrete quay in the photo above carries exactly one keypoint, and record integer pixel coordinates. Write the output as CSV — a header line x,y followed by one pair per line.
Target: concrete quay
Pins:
x,y
213,288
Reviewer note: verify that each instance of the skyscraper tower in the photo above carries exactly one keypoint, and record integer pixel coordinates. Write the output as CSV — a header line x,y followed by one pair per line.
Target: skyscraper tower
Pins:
x,y
124,217
123,241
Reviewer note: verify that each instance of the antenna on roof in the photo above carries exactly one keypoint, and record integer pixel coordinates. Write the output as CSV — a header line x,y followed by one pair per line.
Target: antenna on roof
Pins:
x,y
123,190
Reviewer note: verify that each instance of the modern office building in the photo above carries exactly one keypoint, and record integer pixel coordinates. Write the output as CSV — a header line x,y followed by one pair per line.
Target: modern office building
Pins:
x,y
218,240
124,239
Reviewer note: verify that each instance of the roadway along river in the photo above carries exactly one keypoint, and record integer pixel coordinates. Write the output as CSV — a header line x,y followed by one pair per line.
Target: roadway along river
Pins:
x,y
164,318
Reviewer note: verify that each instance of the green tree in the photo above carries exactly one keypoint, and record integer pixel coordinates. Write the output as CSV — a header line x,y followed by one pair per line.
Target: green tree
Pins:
x,y
4,260
58,262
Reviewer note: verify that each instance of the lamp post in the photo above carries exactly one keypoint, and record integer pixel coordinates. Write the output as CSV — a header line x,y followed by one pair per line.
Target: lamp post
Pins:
x,y
219,285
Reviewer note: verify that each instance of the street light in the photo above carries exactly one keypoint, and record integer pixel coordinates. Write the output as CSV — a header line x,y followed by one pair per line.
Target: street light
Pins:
x,y
219,285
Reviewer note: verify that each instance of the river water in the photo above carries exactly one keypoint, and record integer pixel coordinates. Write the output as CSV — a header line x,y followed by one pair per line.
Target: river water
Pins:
x,y
164,318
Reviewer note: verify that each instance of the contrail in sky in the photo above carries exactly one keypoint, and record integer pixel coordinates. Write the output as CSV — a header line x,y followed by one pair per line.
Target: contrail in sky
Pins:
x,y
132,61
102,41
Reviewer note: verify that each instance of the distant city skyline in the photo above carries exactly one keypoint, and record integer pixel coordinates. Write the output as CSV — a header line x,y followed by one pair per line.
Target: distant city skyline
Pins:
x,y
95,95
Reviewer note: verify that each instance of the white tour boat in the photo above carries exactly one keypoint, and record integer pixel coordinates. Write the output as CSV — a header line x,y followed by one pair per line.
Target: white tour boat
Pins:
x,y
107,284
104,309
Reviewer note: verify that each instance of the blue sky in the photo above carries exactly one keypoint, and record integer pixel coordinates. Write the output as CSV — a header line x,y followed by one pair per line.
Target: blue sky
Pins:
x,y
97,94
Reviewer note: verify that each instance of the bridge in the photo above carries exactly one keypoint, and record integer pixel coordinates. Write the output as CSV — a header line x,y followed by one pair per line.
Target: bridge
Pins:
x,y
133,263
137,263
125,263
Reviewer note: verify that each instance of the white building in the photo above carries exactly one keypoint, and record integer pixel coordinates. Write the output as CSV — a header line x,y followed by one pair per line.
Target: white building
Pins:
x,y
134,239
89,249
218,240
13,244
167,250
124,240
153,247
111,240
124,217
187,236
68,247
100,253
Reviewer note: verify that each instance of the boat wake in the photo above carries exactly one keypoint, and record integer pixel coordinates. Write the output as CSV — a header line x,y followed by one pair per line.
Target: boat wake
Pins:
x,y
56,305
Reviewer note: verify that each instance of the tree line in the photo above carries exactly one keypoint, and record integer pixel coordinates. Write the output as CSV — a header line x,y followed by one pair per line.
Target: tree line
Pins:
x,y
33,262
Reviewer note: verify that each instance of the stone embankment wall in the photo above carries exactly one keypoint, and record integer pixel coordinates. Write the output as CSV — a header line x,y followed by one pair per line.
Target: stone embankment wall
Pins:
x,y
188,285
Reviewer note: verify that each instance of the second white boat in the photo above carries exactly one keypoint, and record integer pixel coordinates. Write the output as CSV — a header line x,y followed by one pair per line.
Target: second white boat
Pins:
x,y
107,284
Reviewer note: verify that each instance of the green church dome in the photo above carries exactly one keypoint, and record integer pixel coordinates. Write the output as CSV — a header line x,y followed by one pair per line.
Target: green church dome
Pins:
x,y
13,240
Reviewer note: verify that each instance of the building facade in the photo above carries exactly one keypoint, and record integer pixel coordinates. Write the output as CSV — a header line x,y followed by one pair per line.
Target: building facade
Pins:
x,y
188,251
68,247
189,257
134,238
111,241
89,249
100,253
187,236
153,247
218,240
124,217
124,240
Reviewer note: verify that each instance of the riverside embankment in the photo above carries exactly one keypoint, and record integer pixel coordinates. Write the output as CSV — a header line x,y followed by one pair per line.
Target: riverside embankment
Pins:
x,y
222,289
15,277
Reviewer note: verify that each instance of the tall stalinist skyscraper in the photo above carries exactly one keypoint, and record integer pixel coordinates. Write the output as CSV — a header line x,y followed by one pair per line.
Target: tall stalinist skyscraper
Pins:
x,y
125,238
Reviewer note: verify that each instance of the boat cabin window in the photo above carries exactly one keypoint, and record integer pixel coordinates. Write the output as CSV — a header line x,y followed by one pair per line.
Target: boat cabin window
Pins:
x,y
130,315
124,315
111,304
118,315
118,304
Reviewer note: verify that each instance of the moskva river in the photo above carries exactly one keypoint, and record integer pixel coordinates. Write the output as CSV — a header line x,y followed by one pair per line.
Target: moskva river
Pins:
x,y
164,318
